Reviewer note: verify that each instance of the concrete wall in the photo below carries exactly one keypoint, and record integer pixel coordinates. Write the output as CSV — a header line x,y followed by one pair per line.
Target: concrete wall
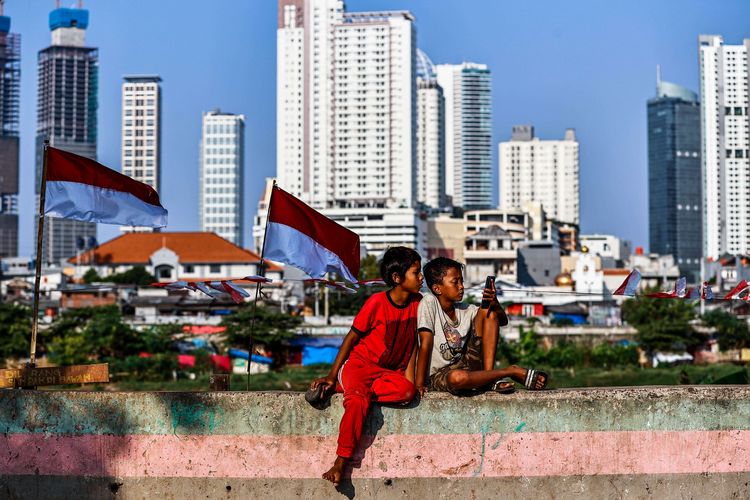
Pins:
x,y
602,443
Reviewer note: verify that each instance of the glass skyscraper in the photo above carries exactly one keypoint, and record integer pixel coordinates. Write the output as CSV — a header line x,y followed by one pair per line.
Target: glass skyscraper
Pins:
x,y
222,172
66,115
674,176
10,77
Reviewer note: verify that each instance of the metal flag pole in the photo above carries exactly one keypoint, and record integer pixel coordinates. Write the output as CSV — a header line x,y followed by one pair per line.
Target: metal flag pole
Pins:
x,y
262,273
37,277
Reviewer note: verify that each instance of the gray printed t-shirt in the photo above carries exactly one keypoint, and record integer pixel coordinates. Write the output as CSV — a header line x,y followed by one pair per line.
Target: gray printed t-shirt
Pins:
x,y
449,337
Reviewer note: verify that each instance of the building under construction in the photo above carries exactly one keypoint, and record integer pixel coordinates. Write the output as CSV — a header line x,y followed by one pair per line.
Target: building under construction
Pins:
x,y
10,83
66,115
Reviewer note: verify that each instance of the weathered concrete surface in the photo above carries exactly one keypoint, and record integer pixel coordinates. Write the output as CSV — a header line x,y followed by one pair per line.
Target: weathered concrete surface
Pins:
x,y
669,442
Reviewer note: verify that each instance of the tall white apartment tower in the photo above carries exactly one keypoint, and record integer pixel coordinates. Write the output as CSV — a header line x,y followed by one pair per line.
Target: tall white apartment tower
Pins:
x,y
304,98
222,167
725,129
430,135
346,105
547,172
141,131
467,88
374,128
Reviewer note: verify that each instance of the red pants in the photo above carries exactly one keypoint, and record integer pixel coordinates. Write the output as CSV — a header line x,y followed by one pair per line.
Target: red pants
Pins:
x,y
362,383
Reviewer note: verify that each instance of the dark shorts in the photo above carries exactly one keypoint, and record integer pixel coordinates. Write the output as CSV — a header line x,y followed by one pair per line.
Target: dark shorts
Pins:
x,y
470,360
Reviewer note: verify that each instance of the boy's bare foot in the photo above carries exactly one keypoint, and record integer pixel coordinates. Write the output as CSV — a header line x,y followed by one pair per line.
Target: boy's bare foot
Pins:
x,y
334,473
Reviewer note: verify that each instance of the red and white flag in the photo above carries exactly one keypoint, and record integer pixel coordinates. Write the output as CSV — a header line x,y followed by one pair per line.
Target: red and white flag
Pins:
x,y
80,188
735,292
630,285
299,236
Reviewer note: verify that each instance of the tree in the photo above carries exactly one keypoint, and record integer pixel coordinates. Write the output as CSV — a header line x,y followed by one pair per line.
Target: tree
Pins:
x,y
271,327
92,333
15,331
732,332
91,276
134,276
663,324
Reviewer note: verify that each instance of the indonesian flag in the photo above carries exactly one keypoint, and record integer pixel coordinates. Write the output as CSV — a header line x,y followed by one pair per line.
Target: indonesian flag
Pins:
x,y
299,236
680,289
629,286
735,292
82,189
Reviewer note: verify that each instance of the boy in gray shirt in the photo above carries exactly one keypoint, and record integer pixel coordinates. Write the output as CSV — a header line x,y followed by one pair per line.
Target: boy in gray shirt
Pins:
x,y
457,341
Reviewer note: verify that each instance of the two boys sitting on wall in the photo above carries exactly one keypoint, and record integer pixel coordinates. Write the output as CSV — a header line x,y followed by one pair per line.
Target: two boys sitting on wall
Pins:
x,y
383,360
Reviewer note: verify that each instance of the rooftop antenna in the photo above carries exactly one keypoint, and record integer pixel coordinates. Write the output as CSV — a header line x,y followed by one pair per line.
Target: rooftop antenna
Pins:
x,y
658,80
57,4
1,7
80,4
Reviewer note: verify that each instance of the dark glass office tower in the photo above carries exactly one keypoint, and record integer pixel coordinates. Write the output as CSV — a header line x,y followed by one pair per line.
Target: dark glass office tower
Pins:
x,y
10,79
66,115
674,176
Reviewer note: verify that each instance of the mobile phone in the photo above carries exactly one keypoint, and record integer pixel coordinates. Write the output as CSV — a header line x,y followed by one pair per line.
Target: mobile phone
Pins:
x,y
488,285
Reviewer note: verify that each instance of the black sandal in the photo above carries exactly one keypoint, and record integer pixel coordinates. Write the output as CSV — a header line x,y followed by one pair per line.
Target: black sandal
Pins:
x,y
532,377
504,390
319,398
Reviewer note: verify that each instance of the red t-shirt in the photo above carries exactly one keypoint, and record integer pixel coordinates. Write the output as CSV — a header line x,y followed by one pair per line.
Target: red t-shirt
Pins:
x,y
388,332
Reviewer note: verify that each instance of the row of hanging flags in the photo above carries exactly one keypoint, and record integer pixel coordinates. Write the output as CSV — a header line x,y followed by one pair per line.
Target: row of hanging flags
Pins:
x,y
82,189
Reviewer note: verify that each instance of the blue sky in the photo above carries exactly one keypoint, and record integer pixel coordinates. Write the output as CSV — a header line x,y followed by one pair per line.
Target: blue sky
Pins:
x,y
588,64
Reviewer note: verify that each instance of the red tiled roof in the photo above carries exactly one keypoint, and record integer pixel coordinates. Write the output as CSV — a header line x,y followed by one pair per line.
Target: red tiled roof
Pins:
x,y
190,247
616,272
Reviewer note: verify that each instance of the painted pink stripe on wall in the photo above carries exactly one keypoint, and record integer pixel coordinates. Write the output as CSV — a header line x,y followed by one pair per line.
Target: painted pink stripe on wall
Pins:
x,y
455,455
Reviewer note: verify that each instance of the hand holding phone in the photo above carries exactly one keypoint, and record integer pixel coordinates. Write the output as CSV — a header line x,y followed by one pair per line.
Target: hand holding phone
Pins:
x,y
489,285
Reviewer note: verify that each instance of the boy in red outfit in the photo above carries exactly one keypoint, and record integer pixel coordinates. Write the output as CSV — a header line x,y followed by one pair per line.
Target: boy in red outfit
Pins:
x,y
376,360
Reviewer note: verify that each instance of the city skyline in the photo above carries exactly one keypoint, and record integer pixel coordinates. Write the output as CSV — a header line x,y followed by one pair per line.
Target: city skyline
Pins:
x,y
612,133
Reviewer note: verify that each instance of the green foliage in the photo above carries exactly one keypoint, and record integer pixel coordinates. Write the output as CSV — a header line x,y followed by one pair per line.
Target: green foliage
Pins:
x,y
611,356
15,331
91,333
91,276
731,331
662,324
134,276
565,355
271,326
524,352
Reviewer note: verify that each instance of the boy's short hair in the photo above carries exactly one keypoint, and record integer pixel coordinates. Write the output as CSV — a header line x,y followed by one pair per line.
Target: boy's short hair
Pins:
x,y
437,268
397,260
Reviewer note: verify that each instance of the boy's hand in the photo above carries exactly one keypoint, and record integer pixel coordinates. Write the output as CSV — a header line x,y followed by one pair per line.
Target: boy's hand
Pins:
x,y
490,295
328,382
422,390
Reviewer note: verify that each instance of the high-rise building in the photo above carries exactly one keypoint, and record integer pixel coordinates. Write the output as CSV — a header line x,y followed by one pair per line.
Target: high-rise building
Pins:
x,y
725,153
533,170
467,88
66,115
346,94
430,135
674,167
304,98
222,173
141,129
141,132
10,79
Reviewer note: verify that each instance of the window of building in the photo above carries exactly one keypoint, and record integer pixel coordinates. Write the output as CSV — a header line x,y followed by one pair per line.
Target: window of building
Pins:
x,y
215,268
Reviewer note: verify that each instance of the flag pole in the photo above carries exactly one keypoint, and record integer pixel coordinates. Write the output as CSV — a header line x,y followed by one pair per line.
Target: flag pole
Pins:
x,y
37,276
262,273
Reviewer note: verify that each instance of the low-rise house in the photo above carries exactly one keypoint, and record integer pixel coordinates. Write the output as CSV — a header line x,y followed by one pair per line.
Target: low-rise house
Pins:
x,y
190,256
